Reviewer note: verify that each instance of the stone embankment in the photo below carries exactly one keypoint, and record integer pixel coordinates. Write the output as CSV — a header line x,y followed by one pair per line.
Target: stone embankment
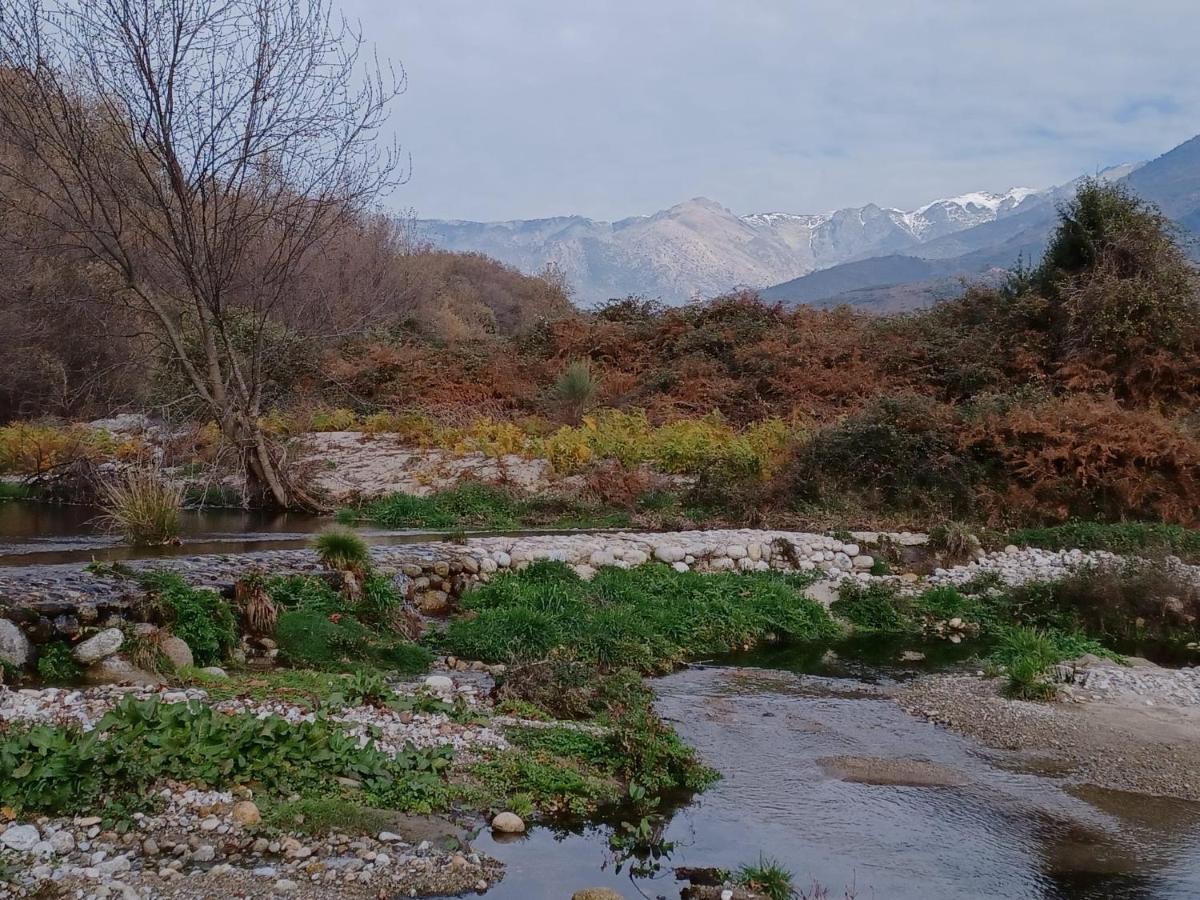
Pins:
x,y
62,600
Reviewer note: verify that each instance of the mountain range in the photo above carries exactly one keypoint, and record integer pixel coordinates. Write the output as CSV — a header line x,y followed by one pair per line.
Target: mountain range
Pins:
x,y
871,256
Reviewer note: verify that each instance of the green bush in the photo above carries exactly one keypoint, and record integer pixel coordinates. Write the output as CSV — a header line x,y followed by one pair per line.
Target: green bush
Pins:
x,y
56,664
202,618
873,606
650,618
140,742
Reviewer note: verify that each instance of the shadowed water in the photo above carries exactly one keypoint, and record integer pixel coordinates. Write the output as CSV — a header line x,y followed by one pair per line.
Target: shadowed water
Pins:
x,y
33,533
999,835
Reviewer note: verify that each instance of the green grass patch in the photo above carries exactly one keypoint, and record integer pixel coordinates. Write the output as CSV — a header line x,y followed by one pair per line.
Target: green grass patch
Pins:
x,y
477,505
1137,538
650,618
880,606
57,665
1028,654
320,629
15,490
338,641
319,816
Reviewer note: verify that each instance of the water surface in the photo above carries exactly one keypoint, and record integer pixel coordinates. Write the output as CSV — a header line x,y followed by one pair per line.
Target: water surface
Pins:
x,y
1002,835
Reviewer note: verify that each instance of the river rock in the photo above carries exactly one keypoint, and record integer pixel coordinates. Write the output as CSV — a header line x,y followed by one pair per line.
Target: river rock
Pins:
x,y
15,649
117,670
433,602
508,823
21,838
177,651
99,646
601,893
246,813
62,842
440,685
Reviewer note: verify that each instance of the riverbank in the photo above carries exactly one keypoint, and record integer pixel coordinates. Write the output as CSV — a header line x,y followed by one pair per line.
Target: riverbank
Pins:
x,y
536,707
1119,728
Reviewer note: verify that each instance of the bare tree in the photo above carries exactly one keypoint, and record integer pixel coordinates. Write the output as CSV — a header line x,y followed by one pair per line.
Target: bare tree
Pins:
x,y
199,150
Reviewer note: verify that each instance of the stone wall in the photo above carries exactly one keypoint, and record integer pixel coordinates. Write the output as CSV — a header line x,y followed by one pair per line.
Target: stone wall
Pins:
x,y
60,600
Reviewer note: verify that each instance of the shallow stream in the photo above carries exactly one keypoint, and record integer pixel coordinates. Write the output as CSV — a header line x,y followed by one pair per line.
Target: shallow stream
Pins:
x,y
992,833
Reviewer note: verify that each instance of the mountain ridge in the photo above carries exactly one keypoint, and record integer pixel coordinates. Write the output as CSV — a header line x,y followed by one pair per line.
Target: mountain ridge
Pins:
x,y
897,258
700,248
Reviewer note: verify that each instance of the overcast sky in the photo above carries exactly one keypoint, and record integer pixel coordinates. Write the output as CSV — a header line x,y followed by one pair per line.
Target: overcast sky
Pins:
x,y
609,108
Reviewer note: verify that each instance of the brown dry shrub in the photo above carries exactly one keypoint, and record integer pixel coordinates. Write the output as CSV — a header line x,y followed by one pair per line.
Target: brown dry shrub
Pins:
x,y
1090,457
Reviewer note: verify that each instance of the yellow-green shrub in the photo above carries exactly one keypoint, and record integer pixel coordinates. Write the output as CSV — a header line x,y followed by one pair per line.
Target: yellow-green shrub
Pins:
x,y
492,439
335,420
568,449
684,446
32,449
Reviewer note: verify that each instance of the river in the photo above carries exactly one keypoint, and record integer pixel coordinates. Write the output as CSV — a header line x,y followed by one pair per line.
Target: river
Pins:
x,y
995,833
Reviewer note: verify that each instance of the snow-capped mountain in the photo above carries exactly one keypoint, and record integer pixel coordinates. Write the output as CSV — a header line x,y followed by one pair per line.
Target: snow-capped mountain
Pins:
x,y
700,248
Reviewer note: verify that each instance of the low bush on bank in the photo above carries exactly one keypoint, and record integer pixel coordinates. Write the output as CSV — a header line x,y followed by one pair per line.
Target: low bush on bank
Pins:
x,y
1127,601
201,617
649,618
57,665
880,606
140,742
478,505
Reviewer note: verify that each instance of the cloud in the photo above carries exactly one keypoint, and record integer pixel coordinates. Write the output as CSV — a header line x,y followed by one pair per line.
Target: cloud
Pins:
x,y
618,107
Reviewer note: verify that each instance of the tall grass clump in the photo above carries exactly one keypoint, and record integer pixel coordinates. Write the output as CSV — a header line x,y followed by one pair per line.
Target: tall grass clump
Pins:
x,y
574,390
769,878
342,550
143,507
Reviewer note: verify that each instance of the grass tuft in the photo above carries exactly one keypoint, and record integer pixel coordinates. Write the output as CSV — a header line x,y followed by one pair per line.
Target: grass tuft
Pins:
x,y
143,507
342,550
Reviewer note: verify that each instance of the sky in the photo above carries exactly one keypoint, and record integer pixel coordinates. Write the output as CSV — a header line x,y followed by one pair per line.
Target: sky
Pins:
x,y
522,109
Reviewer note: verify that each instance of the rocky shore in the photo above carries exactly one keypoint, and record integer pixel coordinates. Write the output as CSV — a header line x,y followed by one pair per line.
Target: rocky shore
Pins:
x,y
48,602
214,843
1127,728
